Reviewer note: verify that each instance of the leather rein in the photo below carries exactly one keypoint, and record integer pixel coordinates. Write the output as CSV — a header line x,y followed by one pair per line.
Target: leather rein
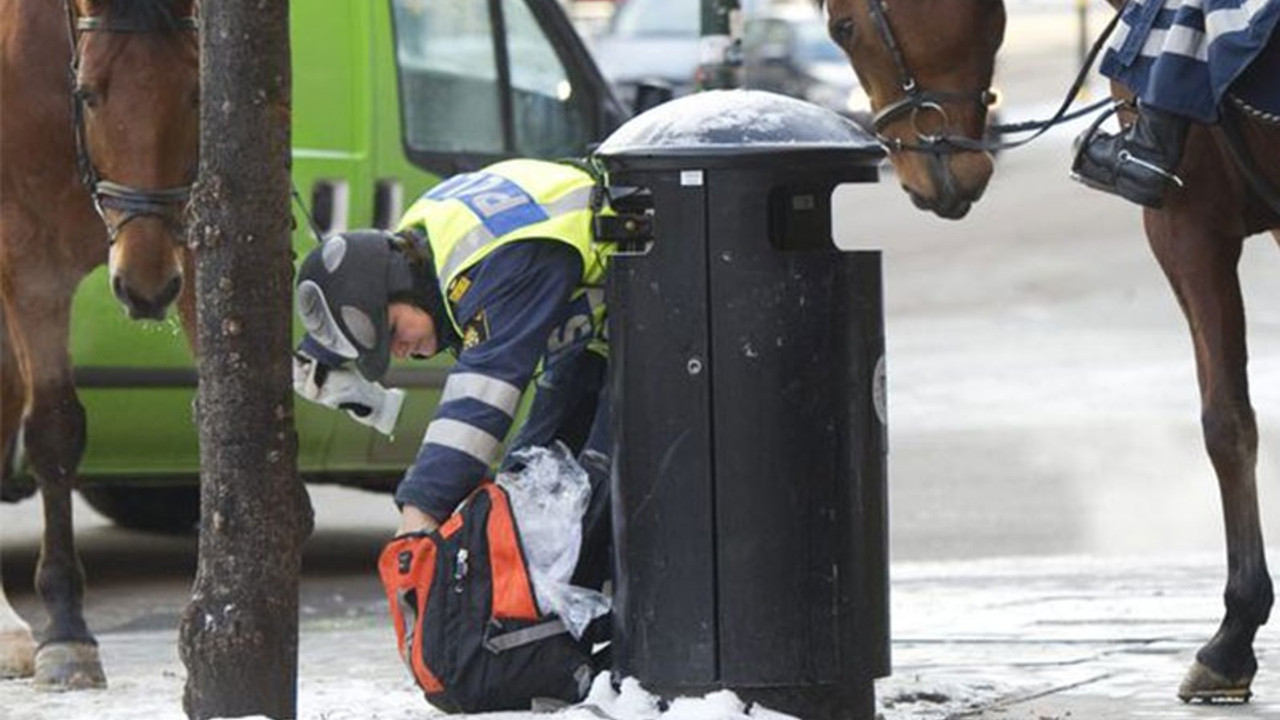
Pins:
x,y
129,201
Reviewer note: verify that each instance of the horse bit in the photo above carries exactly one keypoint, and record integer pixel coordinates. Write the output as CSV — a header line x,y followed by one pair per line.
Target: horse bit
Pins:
x,y
131,202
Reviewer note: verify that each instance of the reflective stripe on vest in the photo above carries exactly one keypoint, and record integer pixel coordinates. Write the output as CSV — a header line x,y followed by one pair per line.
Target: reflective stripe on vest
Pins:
x,y
465,438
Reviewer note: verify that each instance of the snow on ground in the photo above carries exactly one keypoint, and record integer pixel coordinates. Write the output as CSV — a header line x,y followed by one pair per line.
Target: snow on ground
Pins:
x,y
350,672
1097,638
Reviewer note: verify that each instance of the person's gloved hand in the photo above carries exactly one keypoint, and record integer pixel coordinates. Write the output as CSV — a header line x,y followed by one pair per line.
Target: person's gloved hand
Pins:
x,y
366,402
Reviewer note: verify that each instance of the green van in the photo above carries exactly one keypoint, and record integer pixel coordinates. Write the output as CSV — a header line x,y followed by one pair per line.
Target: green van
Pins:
x,y
389,97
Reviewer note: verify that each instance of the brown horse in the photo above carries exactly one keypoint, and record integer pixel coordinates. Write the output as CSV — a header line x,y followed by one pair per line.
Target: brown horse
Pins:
x,y
99,135
927,66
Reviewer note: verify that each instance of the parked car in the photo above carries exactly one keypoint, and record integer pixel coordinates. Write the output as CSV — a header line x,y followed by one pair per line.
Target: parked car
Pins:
x,y
785,49
650,41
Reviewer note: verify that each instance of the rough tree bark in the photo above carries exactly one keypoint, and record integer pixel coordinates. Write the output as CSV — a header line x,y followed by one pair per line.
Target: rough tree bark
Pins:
x,y
239,634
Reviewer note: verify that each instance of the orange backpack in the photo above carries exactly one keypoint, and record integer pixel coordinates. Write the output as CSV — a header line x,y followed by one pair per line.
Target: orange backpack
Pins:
x,y
466,618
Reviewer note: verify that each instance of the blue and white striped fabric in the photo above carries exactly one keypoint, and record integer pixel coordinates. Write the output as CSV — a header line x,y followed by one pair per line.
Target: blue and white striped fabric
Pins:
x,y
1183,55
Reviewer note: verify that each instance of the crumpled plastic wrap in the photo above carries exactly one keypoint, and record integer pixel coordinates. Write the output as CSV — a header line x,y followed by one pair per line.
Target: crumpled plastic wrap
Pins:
x,y
549,496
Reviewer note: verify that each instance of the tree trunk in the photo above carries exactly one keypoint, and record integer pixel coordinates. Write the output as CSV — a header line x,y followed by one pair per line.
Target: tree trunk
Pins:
x,y
239,634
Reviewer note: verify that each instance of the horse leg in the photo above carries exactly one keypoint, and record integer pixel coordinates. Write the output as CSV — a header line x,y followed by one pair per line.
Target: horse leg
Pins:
x,y
17,647
54,436
1201,267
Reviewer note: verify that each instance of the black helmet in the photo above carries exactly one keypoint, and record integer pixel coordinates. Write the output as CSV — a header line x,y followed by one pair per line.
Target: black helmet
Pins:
x,y
345,285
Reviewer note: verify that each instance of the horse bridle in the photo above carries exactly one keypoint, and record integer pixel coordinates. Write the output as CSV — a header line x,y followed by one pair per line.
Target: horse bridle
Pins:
x,y
129,201
917,101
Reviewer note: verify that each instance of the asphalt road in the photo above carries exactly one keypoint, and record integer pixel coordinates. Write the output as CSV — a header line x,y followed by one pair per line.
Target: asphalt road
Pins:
x,y
1041,390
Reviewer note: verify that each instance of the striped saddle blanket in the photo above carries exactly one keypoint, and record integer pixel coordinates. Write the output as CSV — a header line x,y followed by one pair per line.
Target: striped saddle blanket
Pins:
x,y
1185,55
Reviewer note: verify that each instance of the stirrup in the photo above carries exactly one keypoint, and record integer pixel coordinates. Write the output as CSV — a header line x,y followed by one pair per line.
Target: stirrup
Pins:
x,y
1125,156
1086,137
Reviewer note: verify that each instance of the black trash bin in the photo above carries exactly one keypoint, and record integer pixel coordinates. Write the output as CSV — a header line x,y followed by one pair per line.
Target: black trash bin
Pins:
x,y
748,381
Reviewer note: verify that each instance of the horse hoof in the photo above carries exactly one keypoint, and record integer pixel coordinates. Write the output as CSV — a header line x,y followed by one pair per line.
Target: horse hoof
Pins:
x,y
69,666
1204,685
17,654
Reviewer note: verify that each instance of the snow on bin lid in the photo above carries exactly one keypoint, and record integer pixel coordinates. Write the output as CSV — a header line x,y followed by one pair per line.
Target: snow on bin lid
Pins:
x,y
730,121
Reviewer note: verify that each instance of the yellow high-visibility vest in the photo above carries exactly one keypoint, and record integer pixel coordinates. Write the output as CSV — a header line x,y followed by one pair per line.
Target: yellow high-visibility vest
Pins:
x,y
468,216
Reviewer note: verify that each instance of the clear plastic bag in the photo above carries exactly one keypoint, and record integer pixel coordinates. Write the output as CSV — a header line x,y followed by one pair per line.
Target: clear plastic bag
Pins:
x,y
549,496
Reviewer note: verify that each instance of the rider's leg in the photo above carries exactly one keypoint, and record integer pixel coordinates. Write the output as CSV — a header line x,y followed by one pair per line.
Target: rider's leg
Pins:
x,y
1138,164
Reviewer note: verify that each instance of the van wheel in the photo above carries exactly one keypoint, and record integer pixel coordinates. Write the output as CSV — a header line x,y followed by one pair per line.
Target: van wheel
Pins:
x,y
166,509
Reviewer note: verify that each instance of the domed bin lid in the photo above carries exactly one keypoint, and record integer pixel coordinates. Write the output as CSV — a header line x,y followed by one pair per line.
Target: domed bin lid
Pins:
x,y
736,123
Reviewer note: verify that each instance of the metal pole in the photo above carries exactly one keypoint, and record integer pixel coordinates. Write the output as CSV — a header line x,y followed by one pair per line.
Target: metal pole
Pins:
x,y
720,63
1082,40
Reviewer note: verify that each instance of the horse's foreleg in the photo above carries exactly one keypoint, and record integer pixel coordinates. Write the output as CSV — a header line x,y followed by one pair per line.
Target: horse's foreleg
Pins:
x,y
1202,270
12,402
17,647
54,436
1225,666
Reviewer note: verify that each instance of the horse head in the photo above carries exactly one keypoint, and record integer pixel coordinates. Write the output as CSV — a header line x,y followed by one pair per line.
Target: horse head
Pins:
x,y
135,94
927,67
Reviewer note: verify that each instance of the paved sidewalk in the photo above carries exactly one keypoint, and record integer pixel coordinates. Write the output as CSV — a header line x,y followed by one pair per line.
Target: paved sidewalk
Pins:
x,y
1058,638
1034,639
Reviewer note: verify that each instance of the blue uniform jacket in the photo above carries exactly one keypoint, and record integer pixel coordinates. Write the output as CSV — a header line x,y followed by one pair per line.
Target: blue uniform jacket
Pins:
x,y
515,313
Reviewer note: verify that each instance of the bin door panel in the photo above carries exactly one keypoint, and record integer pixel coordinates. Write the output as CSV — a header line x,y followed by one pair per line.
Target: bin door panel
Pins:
x,y
665,599
787,330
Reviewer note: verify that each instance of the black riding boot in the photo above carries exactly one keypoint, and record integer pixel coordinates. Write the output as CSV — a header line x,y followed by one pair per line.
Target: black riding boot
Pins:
x,y
1139,163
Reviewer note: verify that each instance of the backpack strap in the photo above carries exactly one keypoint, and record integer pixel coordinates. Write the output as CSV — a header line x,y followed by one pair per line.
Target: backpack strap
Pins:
x,y
524,636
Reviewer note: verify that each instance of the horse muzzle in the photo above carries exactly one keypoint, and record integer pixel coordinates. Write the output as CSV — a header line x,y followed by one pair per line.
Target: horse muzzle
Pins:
x,y
947,207
945,184
140,307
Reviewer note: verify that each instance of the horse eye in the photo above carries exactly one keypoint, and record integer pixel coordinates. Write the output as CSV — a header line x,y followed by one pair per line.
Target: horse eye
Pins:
x,y
842,31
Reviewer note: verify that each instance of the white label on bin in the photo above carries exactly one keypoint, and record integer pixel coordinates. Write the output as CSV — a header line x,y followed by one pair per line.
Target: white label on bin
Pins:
x,y
691,178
